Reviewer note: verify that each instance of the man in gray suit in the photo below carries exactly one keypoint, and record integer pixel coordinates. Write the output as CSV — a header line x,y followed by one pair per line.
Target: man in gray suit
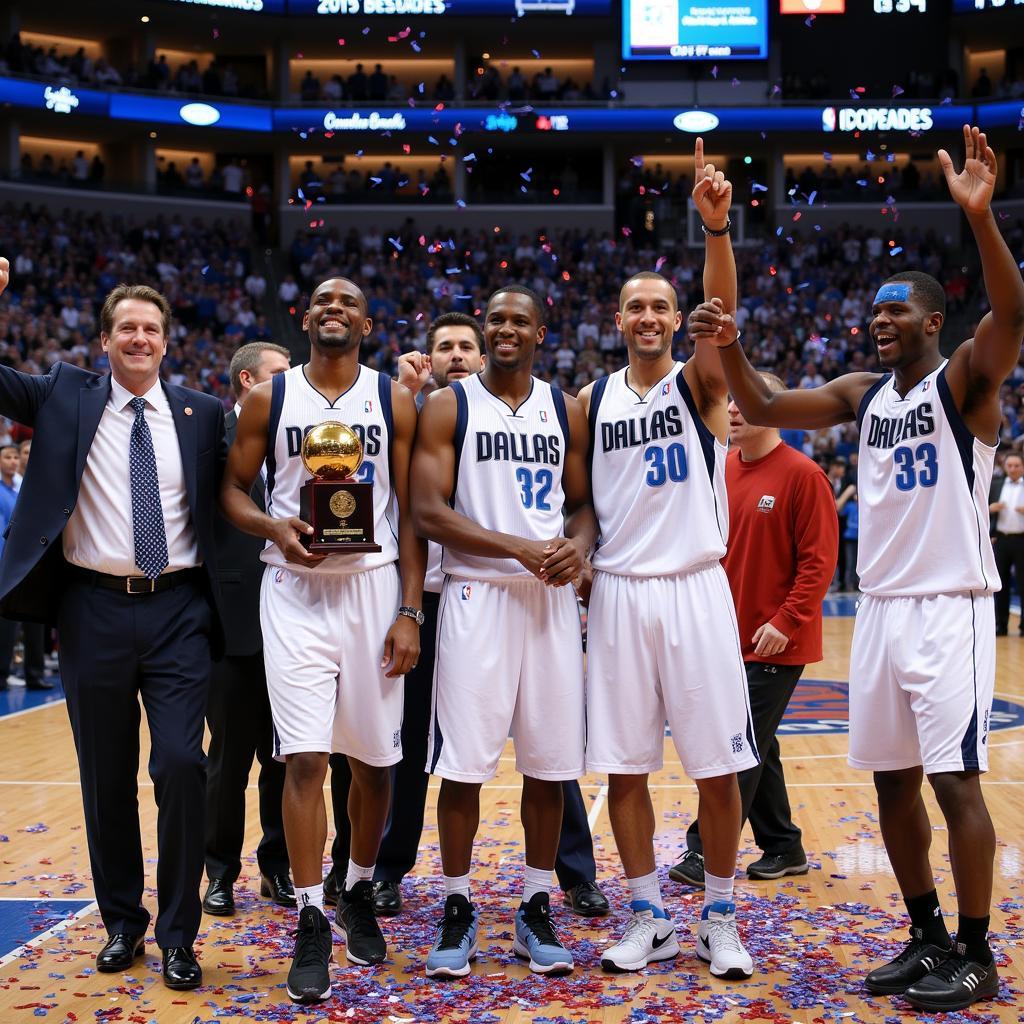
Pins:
x,y
238,710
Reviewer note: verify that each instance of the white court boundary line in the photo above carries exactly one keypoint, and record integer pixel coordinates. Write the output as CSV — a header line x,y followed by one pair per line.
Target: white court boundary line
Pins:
x,y
17,954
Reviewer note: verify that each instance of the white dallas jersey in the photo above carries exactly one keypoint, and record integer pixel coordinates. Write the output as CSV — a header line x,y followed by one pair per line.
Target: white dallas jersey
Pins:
x,y
508,471
295,408
922,487
658,477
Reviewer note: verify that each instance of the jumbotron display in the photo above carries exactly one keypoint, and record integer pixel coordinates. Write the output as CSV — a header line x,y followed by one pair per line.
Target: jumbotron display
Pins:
x,y
409,8
684,30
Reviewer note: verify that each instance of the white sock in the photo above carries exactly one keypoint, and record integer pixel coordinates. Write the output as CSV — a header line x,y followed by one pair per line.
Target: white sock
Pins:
x,y
716,890
535,880
310,896
357,873
456,885
646,889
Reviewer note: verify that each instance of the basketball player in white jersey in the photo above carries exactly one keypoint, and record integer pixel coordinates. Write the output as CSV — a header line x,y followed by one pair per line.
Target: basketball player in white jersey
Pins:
x,y
922,668
499,456
341,630
662,639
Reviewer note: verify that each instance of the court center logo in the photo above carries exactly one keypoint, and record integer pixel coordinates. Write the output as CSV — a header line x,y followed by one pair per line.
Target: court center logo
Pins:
x,y
822,706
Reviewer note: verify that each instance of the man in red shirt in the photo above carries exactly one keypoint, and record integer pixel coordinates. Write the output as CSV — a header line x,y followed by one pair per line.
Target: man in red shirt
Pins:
x,y
783,546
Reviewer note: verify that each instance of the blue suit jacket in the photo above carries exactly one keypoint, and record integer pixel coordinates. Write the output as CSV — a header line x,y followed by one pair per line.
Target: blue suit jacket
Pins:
x,y
64,409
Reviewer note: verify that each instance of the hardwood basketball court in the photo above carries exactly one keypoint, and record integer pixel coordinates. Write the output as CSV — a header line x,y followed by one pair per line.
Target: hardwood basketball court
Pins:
x,y
812,937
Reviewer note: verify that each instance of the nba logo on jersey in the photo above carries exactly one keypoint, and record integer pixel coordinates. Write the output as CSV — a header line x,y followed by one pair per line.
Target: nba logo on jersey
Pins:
x,y
666,388
279,575
927,385
467,591
367,406
767,503
543,416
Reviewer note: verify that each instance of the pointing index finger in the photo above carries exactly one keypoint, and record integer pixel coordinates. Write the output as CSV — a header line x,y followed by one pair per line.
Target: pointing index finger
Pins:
x,y
698,157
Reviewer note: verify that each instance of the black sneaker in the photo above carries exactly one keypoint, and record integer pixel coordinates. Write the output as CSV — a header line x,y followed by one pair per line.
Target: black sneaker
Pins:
x,y
917,959
775,865
332,889
364,943
690,870
955,983
309,980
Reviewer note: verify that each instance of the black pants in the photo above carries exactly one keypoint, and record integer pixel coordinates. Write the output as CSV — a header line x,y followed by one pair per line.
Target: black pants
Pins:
x,y
401,840
1009,551
763,793
238,712
114,648
33,635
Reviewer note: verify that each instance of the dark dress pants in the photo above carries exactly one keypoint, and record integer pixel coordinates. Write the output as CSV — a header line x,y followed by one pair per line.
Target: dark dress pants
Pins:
x,y
33,635
401,840
114,649
238,712
1009,552
763,795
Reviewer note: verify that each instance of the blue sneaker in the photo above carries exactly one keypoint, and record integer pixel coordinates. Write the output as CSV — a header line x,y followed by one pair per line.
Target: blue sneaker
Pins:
x,y
536,940
455,944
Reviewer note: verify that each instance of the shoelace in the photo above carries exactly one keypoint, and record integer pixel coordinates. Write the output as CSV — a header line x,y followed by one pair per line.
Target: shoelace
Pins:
x,y
949,968
307,951
453,932
360,920
911,950
540,924
639,929
724,931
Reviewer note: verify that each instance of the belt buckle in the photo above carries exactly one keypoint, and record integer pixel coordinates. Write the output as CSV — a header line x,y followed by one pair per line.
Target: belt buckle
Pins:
x,y
129,588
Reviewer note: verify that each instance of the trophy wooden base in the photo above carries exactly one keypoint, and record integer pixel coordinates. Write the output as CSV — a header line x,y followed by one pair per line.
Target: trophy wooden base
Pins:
x,y
341,514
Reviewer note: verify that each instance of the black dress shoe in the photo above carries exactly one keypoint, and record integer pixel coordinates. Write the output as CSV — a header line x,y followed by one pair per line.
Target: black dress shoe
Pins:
x,y
120,952
181,969
278,889
332,889
219,899
586,899
387,899
38,684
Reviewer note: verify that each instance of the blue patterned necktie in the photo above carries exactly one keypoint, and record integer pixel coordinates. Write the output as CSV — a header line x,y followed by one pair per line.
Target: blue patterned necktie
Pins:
x,y
147,513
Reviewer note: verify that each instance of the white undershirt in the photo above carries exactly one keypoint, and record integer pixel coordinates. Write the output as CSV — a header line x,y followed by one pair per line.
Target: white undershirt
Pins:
x,y
1012,496
99,534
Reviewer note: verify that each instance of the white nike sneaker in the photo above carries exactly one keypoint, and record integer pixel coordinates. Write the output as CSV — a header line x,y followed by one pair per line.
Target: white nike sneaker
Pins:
x,y
718,942
650,935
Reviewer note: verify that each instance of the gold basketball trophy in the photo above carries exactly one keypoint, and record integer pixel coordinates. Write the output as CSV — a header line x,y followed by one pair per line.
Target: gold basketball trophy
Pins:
x,y
339,509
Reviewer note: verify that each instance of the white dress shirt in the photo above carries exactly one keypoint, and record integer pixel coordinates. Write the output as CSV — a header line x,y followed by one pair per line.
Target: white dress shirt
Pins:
x,y
1012,496
99,534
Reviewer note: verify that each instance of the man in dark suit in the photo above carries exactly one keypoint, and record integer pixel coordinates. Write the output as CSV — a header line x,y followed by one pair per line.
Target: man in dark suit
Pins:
x,y
238,711
113,536
1006,517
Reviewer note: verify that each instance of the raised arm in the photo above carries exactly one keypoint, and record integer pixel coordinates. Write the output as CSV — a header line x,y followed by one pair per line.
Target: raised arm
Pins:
x,y
433,482
979,368
712,196
807,408
21,394
245,458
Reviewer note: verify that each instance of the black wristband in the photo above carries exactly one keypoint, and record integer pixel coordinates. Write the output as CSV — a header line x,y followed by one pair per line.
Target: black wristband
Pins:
x,y
716,233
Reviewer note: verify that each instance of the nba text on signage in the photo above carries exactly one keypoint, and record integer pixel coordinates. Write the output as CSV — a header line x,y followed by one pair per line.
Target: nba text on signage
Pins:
x,y
876,119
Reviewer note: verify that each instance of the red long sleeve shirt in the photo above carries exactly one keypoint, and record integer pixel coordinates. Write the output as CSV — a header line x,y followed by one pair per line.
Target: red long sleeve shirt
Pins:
x,y
783,547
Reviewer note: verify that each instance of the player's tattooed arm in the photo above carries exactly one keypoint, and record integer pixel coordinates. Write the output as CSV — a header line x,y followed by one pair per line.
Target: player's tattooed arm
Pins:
x,y
432,486
245,458
567,555
978,368
808,408
402,643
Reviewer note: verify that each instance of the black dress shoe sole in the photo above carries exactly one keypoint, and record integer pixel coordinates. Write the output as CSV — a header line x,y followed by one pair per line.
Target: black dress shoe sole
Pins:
x,y
183,986
124,965
267,892
938,1006
770,876
219,911
585,911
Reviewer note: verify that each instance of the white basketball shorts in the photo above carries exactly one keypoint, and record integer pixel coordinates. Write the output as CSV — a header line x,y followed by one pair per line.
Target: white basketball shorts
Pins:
x,y
666,647
922,674
509,661
323,641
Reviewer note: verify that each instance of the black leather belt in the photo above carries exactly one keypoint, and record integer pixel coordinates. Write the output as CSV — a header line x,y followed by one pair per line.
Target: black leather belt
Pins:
x,y
136,584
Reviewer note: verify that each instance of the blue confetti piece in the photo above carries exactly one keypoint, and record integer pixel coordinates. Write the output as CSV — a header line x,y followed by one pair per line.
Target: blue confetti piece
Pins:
x,y
468,158
460,203
396,243
433,141
812,197
525,175
896,250
756,187
778,232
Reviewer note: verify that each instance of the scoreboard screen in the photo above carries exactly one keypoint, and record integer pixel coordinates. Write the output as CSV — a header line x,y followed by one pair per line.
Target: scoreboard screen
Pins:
x,y
407,8
688,30
970,6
